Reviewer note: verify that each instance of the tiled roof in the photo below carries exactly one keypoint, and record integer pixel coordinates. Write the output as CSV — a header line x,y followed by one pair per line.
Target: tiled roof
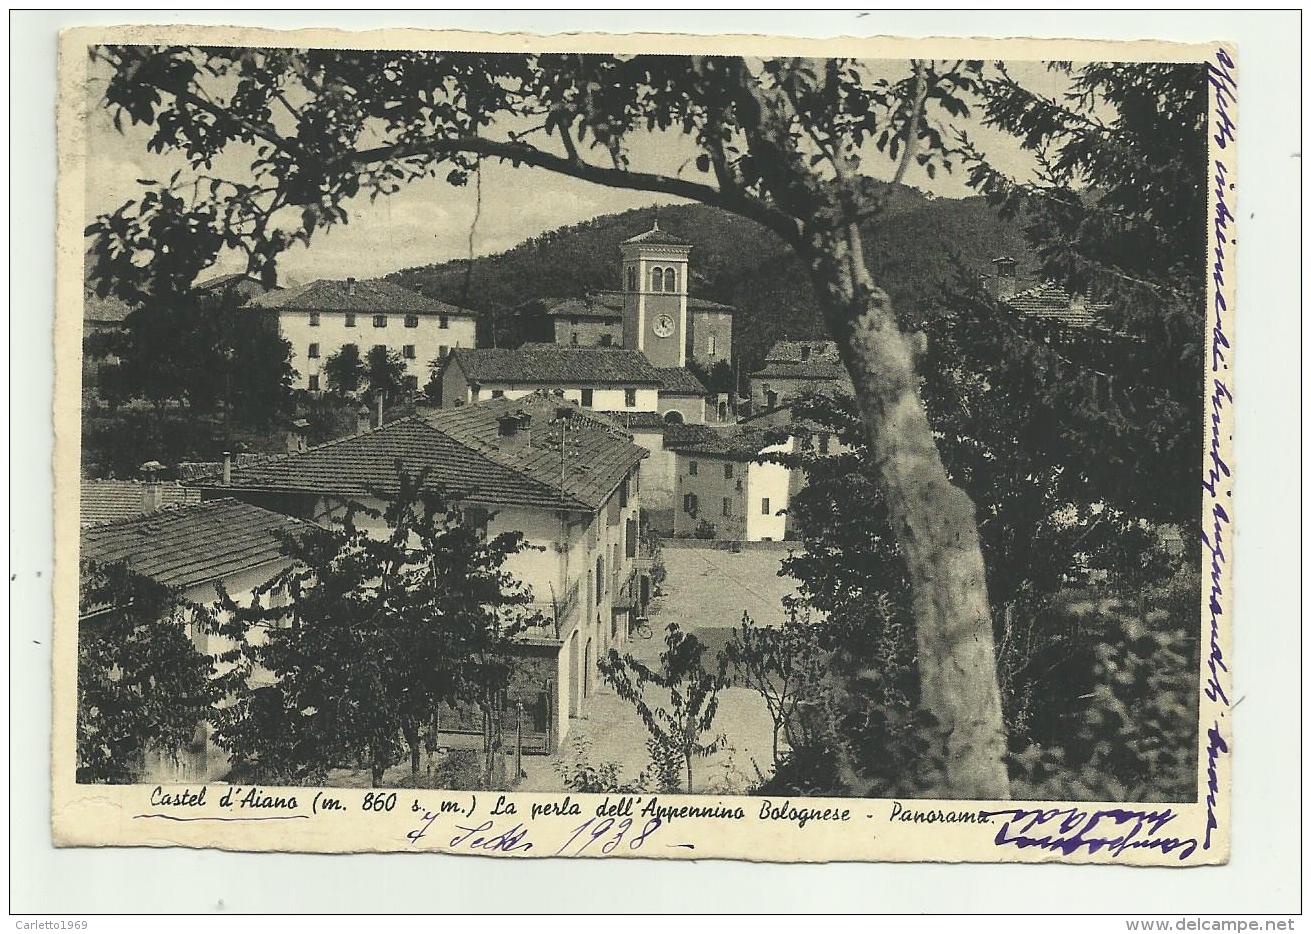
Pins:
x,y
366,296
637,421
189,545
199,470
818,370
615,301
658,237
551,363
733,441
597,455
111,500
802,351
589,306
462,453
1050,303
680,381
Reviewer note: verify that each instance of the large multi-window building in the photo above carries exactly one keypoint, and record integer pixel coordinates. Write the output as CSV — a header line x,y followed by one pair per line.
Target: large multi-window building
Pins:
x,y
320,318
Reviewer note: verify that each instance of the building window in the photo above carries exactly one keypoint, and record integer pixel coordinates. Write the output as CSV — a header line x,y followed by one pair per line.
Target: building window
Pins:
x,y
350,319
314,351
573,338
314,319
764,506
443,322
725,509
381,347
630,398
691,468
379,321
689,504
605,340
630,538
738,486
408,351
657,279
771,398
498,393
473,393
600,577
623,493
670,281
442,351
714,345
587,398
823,443
805,353
728,471
314,383
632,279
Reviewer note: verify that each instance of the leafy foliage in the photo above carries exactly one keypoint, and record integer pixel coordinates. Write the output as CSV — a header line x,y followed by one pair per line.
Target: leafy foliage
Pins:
x,y
370,636
142,685
675,728
203,351
1117,213
781,664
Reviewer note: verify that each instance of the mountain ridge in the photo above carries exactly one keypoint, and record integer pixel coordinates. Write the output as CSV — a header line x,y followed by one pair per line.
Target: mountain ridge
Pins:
x,y
914,246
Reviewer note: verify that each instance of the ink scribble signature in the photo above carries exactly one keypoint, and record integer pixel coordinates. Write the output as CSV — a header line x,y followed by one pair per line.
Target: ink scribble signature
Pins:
x,y
1069,830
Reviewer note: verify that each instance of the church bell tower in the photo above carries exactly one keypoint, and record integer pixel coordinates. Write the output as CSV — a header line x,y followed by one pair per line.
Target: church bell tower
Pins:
x,y
654,277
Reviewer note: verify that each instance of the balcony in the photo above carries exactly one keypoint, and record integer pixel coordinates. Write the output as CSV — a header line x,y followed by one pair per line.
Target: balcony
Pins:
x,y
558,615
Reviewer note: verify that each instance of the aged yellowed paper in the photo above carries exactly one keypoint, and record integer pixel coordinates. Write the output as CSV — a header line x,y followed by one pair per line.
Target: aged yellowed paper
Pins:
x,y
645,446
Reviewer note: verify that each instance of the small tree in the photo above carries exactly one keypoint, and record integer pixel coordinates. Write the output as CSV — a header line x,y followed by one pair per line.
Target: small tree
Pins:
x,y
782,664
344,370
142,686
384,372
374,636
693,696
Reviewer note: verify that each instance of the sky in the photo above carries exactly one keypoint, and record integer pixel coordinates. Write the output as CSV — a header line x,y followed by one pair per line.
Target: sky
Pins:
x,y
429,221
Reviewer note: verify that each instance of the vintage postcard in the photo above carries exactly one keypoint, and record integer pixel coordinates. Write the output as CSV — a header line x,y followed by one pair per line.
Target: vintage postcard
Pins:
x,y
645,446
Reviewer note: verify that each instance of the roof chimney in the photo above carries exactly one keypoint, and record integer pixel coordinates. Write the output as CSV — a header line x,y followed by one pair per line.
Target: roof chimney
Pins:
x,y
1005,283
514,431
350,285
296,436
362,419
377,404
227,468
154,493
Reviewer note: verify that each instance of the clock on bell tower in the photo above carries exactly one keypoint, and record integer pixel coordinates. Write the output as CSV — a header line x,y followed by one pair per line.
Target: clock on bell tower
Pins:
x,y
654,274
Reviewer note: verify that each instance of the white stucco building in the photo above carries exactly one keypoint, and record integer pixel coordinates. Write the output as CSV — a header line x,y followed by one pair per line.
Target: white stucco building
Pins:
x,y
320,318
564,478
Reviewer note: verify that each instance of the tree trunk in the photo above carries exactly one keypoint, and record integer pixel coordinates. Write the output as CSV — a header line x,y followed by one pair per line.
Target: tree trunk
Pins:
x,y
933,521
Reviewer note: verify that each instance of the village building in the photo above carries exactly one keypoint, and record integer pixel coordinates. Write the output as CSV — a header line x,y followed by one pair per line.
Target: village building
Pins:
x,y
683,399
724,488
563,477
195,549
320,318
606,380
795,368
651,311
589,321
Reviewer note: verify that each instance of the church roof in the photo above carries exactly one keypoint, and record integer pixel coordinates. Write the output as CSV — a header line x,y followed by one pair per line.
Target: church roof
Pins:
x,y
679,380
657,237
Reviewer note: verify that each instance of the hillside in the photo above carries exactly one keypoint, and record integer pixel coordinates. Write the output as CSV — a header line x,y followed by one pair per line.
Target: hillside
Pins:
x,y
913,250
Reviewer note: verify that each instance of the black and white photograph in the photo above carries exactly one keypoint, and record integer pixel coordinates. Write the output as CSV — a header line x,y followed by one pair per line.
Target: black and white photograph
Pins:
x,y
776,431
